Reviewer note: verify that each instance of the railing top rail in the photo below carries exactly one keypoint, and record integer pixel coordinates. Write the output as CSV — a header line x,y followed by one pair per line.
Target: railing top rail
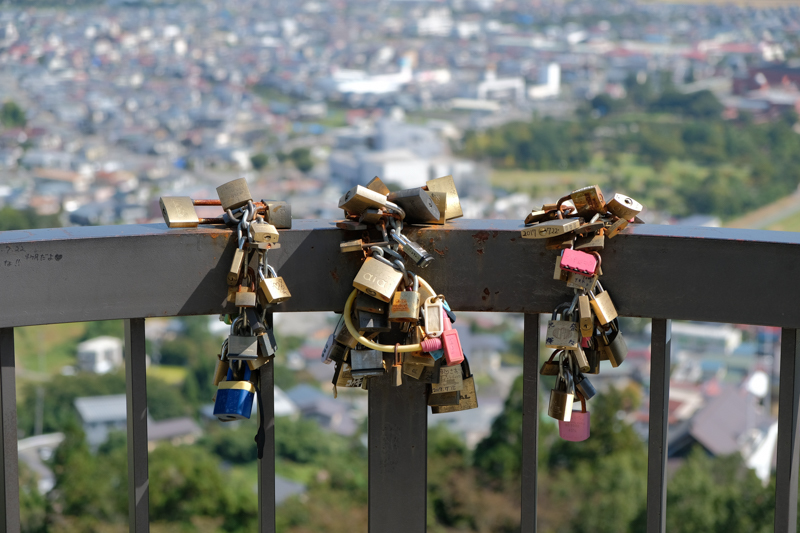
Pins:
x,y
109,272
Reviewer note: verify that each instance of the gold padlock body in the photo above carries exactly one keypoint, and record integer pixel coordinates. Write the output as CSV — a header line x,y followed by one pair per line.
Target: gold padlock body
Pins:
x,y
274,290
236,266
560,242
377,279
580,358
351,246
560,406
371,216
586,320
579,281
346,378
590,243
178,212
375,184
616,227
450,380
624,206
604,308
551,228
245,299
359,199
444,399
560,275
279,213
588,199
221,372
405,307
539,215
263,232
234,194
468,399
413,370
446,184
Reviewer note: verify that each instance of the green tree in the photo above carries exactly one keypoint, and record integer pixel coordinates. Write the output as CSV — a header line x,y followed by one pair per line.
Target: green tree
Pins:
x,y
15,219
12,115
259,161
301,157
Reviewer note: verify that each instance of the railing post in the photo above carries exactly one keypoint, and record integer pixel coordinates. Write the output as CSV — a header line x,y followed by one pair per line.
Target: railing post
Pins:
x,y
398,440
530,424
787,461
9,498
266,465
136,389
660,360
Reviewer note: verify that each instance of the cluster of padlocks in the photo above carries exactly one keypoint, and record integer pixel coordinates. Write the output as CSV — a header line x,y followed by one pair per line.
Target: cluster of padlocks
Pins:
x,y
585,330
390,299
254,287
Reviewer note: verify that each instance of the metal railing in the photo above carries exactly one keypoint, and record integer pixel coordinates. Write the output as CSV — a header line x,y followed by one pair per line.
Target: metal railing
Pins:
x,y
661,272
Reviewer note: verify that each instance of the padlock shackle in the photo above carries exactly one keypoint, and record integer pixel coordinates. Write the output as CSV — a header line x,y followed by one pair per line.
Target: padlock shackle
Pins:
x,y
564,305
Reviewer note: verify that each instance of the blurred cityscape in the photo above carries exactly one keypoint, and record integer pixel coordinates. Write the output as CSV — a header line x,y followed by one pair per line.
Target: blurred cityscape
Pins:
x,y
106,107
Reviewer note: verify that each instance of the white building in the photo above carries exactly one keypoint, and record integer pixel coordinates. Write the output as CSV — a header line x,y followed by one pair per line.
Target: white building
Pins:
x,y
549,83
100,355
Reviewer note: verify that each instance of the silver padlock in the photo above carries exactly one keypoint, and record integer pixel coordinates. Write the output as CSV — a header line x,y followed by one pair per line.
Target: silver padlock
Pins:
x,y
241,346
561,333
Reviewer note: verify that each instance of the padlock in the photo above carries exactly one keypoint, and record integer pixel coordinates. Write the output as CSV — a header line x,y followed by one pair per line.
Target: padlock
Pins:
x,y
417,204
579,281
588,200
266,350
375,184
236,267
343,335
446,185
371,216
602,305
378,279
234,194
178,212
614,347
444,399
616,227
558,274
590,243
241,346
550,367
536,216
278,213
451,379
624,207
351,246
234,399
343,377
561,397
579,262
551,228
576,429
273,288
261,231
468,399
327,350
440,201
585,316
433,314
419,255
245,297
359,199
431,373
372,322
365,362
578,357
584,386
405,304
221,370
255,323
365,302
560,242
589,345
413,370
453,354
562,333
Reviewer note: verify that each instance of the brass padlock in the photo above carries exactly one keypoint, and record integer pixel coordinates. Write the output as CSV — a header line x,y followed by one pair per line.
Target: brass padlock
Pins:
x,y
551,228
602,305
586,318
405,304
616,227
444,399
468,399
351,246
234,194
624,207
561,397
588,200
359,199
245,297
178,212
578,357
343,377
450,380
590,243
613,348
550,367
413,370
560,242
579,281
417,204
279,213
378,279
560,275
375,184
440,201
236,267
446,185
371,216
273,289
261,231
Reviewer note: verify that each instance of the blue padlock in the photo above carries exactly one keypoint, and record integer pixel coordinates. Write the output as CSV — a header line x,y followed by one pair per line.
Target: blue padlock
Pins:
x,y
234,398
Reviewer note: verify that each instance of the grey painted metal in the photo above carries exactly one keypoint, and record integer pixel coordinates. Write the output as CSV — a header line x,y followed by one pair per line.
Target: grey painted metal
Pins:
x,y
9,476
136,391
530,424
660,360
266,465
398,440
788,439
482,265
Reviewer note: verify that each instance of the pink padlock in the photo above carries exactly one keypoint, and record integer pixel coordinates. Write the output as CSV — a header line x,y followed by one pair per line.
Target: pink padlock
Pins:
x,y
577,429
576,261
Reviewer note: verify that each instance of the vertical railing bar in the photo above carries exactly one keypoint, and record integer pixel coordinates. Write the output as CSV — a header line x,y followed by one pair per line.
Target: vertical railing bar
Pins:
x,y
787,461
9,499
266,465
136,393
657,447
530,423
